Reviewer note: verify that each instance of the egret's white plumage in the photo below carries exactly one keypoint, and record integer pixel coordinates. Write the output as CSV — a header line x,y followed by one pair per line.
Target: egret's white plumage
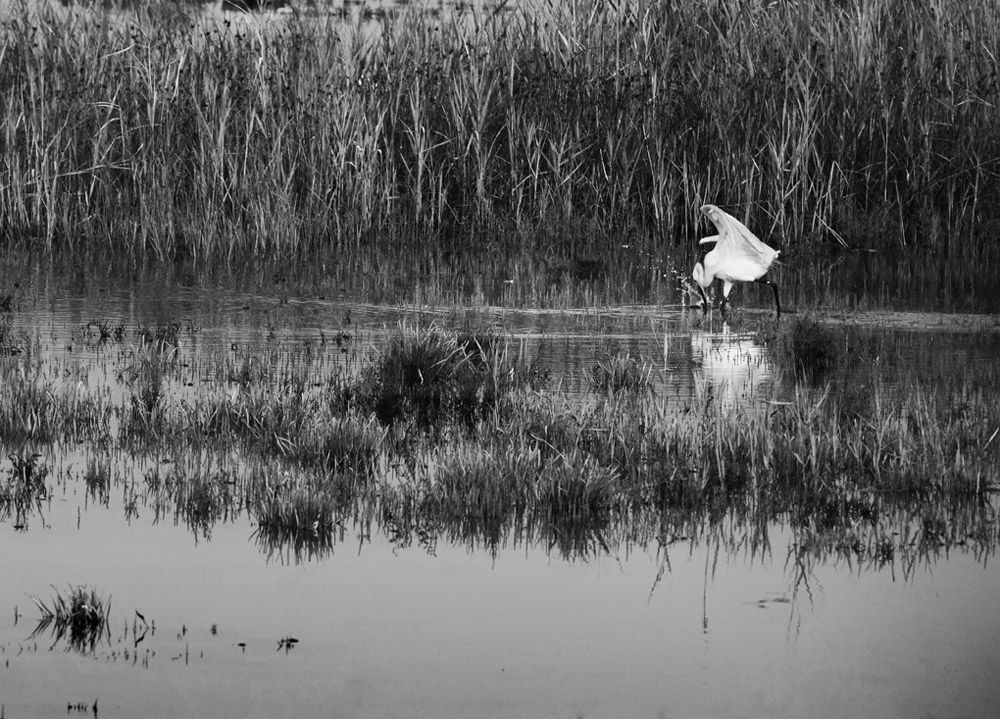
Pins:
x,y
738,256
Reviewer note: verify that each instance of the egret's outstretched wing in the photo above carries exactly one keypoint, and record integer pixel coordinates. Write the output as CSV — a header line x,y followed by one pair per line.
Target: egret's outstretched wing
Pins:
x,y
737,241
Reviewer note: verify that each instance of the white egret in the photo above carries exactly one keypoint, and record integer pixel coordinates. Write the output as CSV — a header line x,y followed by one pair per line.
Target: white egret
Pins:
x,y
739,256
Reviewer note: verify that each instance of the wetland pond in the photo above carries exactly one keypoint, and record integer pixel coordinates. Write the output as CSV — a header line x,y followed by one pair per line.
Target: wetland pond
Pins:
x,y
724,611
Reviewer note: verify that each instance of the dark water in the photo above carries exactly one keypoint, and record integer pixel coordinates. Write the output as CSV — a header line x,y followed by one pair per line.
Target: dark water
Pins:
x,y
705,627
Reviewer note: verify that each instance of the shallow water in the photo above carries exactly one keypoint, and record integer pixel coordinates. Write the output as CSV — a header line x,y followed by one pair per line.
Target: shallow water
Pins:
x,y
391,632
708,626
401,633
338,334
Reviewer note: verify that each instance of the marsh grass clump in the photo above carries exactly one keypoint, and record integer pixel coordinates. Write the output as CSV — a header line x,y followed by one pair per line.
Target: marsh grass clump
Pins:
x,y
619,373
146,374
24,490
347,443
496,493
578,490
27,475
468,482
271,415
532,424
97,478
204,498
80,617
430,378
416,377
28,409
278,541
195,492
296,424
296,511
36,410
300,511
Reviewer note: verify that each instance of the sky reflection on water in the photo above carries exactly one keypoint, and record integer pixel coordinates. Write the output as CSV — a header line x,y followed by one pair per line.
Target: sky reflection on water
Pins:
x,y
399,632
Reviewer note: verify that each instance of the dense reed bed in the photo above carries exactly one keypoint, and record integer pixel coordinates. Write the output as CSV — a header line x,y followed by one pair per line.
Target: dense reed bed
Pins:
x,y
544,136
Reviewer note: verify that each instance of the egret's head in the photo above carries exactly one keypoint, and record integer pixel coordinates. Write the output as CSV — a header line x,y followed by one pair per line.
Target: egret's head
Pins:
x,y
699,276
711,212
718,218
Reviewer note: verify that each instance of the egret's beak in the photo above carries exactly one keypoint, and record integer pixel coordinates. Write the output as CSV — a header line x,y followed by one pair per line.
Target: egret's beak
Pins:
x,y
704,300
699,278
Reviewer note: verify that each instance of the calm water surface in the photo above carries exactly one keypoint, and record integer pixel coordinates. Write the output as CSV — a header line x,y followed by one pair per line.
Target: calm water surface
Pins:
x,y
401,633
707,627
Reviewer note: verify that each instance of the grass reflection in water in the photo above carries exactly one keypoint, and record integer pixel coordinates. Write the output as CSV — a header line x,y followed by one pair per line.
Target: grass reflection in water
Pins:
x,y
79,617
444,435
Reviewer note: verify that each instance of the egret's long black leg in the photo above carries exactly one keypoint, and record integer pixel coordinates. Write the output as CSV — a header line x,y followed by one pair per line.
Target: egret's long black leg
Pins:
x,y
704,300
777,301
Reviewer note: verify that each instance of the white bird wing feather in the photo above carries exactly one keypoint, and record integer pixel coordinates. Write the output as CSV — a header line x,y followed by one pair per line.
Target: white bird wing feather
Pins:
x,y
736,238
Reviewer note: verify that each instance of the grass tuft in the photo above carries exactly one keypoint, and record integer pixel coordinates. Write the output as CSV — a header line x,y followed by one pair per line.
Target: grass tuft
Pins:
x,y
24,490
80,617
430,378
621,373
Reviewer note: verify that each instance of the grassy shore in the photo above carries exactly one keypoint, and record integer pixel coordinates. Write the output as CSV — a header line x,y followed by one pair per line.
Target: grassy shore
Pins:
x,y
560,131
